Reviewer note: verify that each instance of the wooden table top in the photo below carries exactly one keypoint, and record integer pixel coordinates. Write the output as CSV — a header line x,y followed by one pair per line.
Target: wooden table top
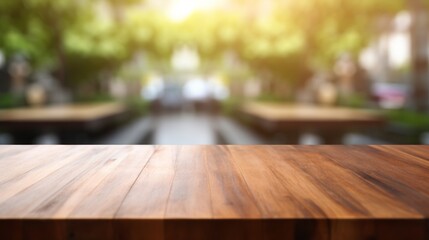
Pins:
x,y
214,182
62,113
278,112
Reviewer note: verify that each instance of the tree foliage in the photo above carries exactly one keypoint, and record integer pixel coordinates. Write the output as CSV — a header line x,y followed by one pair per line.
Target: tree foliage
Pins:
x,y
295,36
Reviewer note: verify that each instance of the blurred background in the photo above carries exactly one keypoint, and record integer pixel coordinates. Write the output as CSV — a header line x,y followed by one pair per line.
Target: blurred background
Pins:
x,y
214,72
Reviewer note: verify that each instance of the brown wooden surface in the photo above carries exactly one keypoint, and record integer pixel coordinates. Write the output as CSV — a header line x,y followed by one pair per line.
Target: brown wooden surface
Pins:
x,y
70,122
278,112
62,113
214,192
278,116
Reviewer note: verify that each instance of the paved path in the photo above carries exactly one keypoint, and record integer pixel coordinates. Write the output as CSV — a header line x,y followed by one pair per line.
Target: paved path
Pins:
x,y
184,128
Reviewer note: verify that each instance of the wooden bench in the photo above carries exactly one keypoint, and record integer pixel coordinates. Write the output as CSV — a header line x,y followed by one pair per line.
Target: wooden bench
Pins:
x,y
330,123
74,122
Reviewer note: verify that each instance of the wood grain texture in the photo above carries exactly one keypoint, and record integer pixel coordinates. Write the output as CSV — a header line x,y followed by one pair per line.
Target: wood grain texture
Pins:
x,y
231,197
148,197
190,189
214,192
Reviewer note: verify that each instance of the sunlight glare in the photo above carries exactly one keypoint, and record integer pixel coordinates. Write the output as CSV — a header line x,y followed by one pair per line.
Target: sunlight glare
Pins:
x,y
179,10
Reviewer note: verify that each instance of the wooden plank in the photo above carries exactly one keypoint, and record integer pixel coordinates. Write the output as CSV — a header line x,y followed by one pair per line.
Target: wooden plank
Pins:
x,y
381,229
301,194
65,200
23,161
292,229
418,154
398,179
230,195
190,195
273,199
11,229
11,150
89,229
59,229
149,195
104,200
43,229
348,188
139,229
22,175
212,230
23,203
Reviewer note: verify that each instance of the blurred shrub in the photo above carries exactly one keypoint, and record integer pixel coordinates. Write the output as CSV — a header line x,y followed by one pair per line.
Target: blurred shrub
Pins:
x,y
231,105
138,106
269,97
353,101
410,119
10,101
297,36
95,98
